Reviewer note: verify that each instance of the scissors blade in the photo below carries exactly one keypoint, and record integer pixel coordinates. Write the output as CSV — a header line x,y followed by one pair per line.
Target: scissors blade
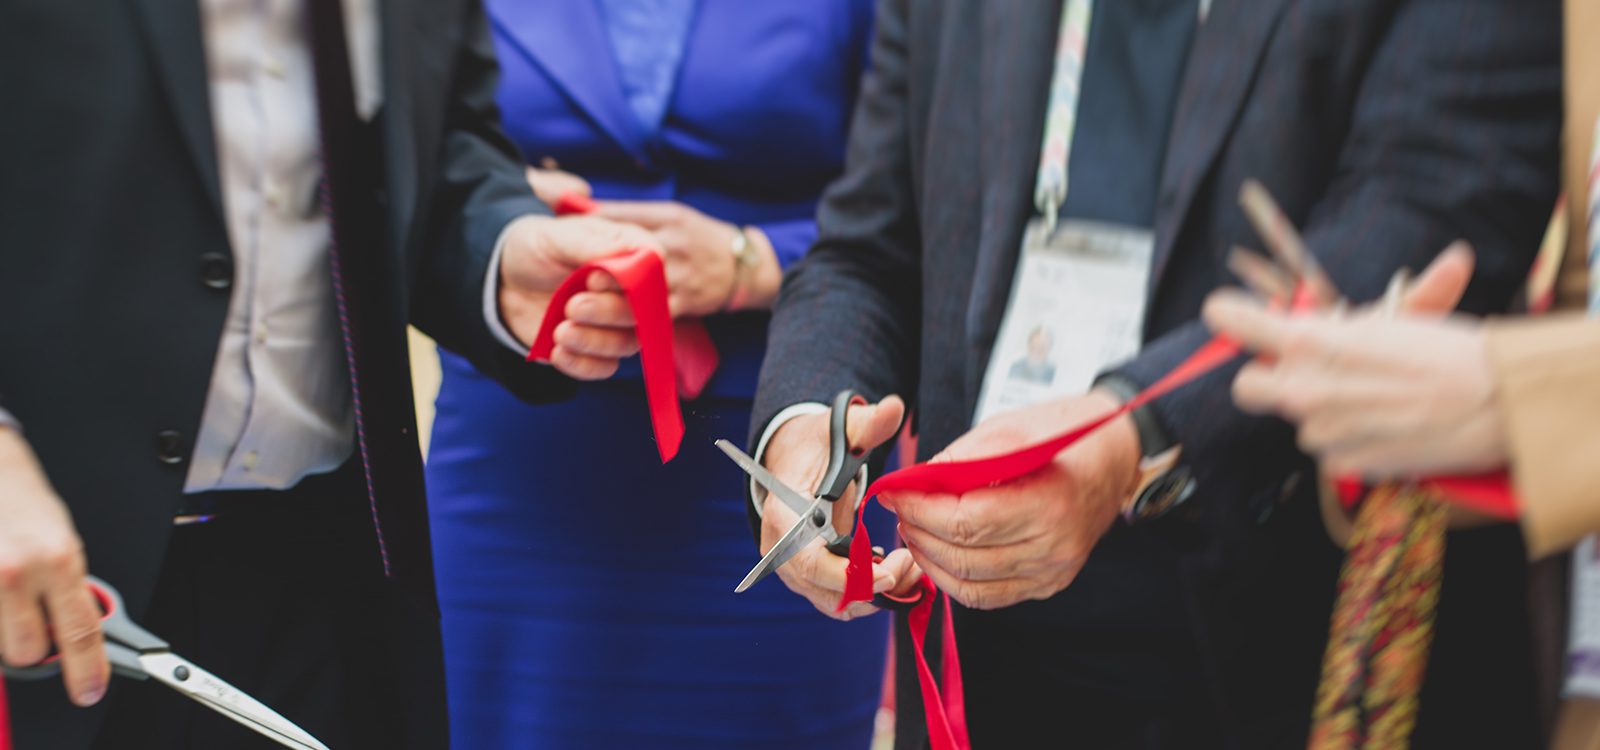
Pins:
x,y
181,675
1284,241
797,502
792,541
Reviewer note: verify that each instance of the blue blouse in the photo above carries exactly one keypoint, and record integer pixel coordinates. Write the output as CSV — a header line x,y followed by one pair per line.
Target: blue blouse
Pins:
x,y
753,129
647,38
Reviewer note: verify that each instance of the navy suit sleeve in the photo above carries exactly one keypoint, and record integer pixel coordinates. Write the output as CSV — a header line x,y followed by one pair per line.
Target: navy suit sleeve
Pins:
x,y
1453,135
848,314
480,190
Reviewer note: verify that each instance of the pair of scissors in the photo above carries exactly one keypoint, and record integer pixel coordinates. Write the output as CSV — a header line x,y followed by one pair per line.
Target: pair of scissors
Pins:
x,y
134,652
1292,275
845,464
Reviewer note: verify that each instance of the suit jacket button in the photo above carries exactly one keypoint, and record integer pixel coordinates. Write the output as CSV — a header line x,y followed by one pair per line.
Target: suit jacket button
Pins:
x,y
169,447
1169,198
216,270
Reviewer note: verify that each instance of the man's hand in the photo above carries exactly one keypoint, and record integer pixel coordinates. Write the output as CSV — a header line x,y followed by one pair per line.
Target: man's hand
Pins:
x,y
44,597
540,252
1026,539
798,455
701,269
1381,398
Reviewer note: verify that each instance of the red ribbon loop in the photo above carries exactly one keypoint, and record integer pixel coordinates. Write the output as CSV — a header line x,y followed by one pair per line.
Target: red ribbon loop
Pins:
x,y
643,279
696,359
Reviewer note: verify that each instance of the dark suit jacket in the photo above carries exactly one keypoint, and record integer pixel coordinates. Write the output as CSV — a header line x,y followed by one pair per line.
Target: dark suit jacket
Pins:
x,y
115,267
1386,128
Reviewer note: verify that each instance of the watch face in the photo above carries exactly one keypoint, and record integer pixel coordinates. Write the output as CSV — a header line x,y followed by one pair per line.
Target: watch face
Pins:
x,y
1165,493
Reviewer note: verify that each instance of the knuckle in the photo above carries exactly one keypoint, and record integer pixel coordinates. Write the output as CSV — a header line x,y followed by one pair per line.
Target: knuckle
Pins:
x,y
65,558
975,597
964,527
961,565
1302,342
78,636
12,574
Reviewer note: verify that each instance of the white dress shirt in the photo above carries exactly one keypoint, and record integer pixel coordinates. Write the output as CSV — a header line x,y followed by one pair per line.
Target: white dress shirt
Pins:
x,y
279,405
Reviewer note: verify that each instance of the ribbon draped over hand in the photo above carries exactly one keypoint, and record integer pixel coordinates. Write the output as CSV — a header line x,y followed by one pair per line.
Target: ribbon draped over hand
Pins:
x,y
1490,494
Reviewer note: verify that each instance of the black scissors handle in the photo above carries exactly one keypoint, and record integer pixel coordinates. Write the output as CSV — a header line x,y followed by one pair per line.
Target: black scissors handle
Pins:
x,y
125,641
844,462
844,465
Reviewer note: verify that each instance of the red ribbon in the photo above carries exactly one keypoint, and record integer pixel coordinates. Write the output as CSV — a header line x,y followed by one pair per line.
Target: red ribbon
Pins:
x,y
947,725
696,356
5,718
643,279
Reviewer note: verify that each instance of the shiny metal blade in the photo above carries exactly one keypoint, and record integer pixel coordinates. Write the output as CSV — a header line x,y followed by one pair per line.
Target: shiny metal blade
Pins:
x,y
792,541
796,501
181,675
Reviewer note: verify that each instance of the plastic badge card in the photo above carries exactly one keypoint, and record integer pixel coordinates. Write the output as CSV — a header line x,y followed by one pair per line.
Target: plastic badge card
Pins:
x,y
1077,306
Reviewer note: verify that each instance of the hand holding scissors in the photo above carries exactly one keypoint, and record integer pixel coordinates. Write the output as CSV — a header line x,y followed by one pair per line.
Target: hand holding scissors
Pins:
x,y
806,549
136,653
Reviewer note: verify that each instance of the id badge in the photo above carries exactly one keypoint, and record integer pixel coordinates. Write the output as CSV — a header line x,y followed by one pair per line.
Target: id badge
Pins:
x,y
1583,649
1077,306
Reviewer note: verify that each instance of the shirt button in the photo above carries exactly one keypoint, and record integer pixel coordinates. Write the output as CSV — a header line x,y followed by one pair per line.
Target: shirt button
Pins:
x,y
274,67
169,447
261,334
275,195
216,270
250,460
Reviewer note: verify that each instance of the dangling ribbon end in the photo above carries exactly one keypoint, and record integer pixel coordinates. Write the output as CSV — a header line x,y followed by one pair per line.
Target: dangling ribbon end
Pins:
x,y
858,574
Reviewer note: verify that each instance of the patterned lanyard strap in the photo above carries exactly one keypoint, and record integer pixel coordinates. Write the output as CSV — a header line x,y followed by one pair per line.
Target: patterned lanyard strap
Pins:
x,y
1061,121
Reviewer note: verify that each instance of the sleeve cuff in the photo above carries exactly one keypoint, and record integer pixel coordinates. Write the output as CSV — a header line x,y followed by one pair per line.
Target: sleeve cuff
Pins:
x,y
6,420
491,295
1544,370
758,494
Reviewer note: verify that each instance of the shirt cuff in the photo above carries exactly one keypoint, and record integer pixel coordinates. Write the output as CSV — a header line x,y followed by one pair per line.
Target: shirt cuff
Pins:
x,y
6,420
758,494
491,295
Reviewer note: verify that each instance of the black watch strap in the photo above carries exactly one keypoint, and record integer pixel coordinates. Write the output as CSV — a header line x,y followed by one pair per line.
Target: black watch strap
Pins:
x,y
1153,438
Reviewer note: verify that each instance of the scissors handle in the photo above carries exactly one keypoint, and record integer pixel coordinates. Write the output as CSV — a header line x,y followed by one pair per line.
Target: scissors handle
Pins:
x,y
844,463
125,641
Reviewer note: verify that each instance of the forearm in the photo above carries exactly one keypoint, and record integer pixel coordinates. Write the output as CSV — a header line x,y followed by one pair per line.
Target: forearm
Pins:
x,y
480,191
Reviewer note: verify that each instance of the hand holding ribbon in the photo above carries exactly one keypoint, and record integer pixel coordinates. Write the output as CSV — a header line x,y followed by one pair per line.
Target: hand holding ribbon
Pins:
x,y
695,357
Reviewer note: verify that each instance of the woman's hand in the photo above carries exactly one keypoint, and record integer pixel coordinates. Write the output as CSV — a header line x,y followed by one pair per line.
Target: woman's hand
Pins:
x,y
1375,397
550,183
702,272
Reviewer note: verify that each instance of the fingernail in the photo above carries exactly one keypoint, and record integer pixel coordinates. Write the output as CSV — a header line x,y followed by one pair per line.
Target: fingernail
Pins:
x,y
91,696
882,584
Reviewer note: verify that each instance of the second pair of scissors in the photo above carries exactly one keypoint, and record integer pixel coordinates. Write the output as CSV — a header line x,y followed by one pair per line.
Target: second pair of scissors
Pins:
x,y
136,653
815,511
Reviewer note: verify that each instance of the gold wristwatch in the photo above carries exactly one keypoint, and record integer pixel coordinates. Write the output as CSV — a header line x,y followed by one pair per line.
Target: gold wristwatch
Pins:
x,y
745,258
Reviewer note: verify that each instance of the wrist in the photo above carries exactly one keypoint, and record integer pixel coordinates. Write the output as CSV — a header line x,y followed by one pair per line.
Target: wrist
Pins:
x,y
765,275
1120,440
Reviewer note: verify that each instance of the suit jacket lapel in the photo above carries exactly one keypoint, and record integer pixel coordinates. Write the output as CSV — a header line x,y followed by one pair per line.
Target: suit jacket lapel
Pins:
x,y
569,40
1222,68
1016,58
173,28
399,155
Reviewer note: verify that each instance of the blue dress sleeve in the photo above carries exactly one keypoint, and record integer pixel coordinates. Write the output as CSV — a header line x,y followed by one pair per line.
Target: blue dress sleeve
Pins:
x,y
790,239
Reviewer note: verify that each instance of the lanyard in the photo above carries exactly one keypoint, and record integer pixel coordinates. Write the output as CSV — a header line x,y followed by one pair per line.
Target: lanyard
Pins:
x,y
1061,120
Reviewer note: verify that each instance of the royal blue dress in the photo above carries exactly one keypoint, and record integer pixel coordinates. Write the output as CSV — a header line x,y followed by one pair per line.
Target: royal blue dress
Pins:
x,y
587,590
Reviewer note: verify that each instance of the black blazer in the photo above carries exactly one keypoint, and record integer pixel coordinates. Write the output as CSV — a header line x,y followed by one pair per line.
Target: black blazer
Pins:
x,y
1387,128
115,267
